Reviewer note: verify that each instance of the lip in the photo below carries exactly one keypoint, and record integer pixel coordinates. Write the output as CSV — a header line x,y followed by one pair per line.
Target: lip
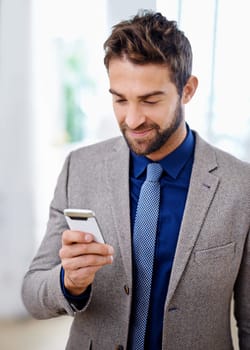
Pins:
x,y
140,133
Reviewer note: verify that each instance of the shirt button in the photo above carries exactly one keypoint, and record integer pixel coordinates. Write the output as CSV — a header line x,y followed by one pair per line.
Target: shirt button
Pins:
x,y
126,288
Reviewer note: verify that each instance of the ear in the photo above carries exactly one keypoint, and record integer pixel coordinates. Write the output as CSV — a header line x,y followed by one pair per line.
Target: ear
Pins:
x,y
189,89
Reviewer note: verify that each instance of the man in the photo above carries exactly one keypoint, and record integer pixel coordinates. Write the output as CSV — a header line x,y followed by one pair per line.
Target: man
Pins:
x,y
201,252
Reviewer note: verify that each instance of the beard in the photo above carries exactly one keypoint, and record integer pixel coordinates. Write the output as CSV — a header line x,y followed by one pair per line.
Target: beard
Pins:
x,y
152,144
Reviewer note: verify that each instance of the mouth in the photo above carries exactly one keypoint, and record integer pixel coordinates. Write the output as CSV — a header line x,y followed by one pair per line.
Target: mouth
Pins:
x,y
137,134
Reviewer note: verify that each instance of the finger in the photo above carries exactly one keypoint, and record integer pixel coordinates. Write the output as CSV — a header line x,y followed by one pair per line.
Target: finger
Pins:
x,y
92,248
78,249
86,261
71,237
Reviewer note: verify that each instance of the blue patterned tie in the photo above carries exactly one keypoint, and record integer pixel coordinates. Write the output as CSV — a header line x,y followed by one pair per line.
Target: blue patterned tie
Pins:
x,y
144,237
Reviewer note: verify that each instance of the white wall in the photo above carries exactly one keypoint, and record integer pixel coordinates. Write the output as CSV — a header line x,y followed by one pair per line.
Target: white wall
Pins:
x,y
16,182
123,10
18,145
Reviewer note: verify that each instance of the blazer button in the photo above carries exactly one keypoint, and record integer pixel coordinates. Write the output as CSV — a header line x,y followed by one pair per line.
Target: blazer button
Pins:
x,y
126,288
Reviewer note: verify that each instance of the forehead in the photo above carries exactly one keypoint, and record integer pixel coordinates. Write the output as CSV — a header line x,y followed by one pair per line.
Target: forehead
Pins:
x,y
127,76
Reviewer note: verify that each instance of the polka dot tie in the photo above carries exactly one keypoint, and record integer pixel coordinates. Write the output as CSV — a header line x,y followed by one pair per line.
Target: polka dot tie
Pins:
x,y
144,237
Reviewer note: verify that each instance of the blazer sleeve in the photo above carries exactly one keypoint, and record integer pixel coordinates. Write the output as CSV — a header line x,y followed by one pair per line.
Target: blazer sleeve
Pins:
x,y
41,290
242,298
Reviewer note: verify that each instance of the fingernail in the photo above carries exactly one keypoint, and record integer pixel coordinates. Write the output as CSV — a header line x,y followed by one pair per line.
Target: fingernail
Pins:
x,y
111,250
88,238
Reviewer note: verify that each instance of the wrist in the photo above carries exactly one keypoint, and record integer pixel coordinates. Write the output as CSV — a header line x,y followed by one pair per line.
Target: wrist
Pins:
x,y
72,288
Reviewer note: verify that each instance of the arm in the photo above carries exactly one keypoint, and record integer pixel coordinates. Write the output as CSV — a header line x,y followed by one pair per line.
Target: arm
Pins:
x,y
41,291
242,298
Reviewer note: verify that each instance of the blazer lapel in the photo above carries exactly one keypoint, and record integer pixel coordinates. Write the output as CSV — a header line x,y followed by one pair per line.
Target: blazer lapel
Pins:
x,y
117,170
203,185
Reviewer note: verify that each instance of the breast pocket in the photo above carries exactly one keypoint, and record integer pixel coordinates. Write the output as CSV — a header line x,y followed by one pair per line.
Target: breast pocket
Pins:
x,y
215,254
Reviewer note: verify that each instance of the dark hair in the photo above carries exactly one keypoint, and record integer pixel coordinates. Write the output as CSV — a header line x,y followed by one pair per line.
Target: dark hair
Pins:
x,y
150,38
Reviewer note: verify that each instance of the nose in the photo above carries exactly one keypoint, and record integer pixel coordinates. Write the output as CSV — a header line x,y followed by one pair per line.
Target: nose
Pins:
x,y
134,116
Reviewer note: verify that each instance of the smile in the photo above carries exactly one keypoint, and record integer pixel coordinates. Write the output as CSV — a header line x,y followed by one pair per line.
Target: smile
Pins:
x,y
139,133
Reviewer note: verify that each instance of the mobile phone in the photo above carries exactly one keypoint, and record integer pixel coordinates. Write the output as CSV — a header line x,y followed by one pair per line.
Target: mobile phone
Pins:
x,y
84,220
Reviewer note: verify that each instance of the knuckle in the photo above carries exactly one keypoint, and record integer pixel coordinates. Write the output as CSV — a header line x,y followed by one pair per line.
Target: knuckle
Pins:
x,y
65,265
62,252
65,235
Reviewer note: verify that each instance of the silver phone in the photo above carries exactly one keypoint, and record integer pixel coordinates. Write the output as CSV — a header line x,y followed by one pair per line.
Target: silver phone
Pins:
x,y
84,220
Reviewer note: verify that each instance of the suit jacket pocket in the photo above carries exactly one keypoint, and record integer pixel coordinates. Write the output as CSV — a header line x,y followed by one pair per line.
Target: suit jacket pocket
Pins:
x,y
225,252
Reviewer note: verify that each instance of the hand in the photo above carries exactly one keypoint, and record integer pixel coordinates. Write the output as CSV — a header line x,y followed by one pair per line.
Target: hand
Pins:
x,y
81,258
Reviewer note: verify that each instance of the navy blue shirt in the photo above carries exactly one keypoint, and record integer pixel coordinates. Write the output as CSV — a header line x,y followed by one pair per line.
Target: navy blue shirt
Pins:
x,y
177,167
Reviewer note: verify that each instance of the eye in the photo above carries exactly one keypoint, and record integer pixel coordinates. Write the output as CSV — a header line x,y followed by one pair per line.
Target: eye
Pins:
x,y
150,102
120,100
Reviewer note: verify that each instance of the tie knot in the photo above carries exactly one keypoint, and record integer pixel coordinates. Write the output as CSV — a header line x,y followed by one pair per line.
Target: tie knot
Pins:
x,y
154,171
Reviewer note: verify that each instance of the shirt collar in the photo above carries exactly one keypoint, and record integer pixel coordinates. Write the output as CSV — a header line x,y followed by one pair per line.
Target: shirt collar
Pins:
x,y
172,164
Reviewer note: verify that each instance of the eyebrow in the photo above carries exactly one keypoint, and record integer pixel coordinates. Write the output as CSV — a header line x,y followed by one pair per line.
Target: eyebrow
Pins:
x,y
150,94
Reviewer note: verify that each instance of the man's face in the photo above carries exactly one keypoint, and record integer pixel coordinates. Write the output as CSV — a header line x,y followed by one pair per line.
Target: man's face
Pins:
x,y
147,106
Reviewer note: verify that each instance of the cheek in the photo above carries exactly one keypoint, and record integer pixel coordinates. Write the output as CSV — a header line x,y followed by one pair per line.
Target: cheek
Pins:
x,y
163,115
167,111
119,113
159,115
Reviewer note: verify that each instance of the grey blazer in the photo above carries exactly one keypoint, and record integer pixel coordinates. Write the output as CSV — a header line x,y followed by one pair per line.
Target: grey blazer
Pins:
x,y
212,259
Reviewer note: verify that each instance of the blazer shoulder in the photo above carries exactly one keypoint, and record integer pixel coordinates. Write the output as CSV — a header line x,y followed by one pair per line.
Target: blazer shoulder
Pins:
x,y
221,163
99,150
231,162
204,148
